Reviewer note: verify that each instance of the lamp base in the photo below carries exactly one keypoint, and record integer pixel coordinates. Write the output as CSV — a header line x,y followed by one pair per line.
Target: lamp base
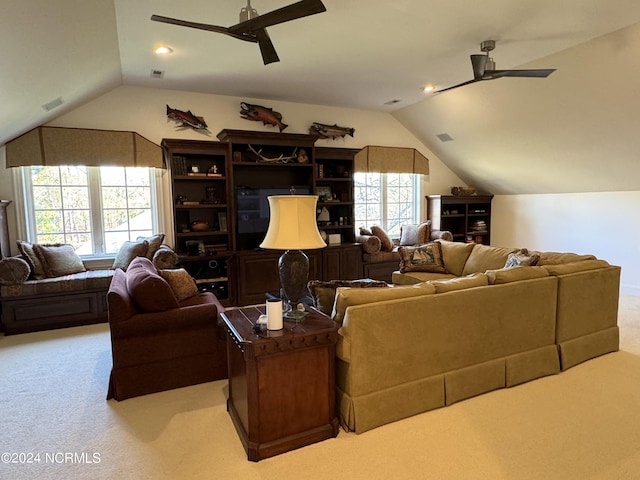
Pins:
x,y
293,268
295,316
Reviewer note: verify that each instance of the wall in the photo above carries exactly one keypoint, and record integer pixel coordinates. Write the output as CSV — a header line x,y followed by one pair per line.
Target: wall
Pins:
x,y
144,110
604,224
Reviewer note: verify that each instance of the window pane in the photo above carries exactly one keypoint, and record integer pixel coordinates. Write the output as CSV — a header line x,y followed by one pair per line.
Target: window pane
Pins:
x,y
76,221
47,197
45,176
138,177
75,197
114,197
112,176
139,197
48,221
73,175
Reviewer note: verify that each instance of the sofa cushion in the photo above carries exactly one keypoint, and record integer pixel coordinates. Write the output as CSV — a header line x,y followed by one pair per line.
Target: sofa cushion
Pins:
x,y
411,278
13,270
521,259
485,257
59,259
385,241
324,293
346,296
422,258
370,243
30,256
455,255
182,284
574,267
509,274
148,290
154,244
128,251
554,258
460,283
415,234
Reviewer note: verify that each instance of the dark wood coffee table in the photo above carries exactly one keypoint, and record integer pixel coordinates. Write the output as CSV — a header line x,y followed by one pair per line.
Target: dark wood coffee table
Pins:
x,y
282,383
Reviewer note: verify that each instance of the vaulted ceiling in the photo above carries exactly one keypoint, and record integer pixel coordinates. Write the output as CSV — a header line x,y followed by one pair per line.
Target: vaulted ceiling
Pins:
x,y
574,131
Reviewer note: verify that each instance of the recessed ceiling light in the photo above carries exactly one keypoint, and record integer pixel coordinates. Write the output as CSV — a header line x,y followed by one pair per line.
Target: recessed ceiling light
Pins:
x,y
163,50
392,102
428,88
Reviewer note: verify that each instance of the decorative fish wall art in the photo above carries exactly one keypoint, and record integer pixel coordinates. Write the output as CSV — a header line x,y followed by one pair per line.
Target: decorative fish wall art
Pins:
x,y
258,113
187,119
330,131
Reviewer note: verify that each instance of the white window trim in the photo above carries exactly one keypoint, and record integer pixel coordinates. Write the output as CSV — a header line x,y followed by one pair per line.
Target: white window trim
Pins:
x,y
24,203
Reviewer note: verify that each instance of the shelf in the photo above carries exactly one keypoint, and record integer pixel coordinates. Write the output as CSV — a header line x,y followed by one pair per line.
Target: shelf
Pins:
x,y
206,233
198,177
334,227
201,258
201,205
272,164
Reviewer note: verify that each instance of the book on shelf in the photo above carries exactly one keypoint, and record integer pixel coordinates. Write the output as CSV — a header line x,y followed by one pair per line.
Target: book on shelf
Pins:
x,y
190,203
196,174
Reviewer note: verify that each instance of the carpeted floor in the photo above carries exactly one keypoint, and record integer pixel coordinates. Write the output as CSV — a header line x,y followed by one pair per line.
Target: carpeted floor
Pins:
x,y
581,424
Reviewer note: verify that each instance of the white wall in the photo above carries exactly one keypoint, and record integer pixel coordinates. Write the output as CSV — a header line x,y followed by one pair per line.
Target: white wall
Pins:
x,y
144,110
604,224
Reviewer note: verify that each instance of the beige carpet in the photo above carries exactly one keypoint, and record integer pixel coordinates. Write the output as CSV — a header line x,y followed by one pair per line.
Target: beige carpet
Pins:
x,y
581,424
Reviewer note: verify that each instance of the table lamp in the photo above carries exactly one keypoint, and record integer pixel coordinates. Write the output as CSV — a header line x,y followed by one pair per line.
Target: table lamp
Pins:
x,y
293,228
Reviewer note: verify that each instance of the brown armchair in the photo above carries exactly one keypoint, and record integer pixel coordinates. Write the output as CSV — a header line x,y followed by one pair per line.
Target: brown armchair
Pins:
x,y
155,351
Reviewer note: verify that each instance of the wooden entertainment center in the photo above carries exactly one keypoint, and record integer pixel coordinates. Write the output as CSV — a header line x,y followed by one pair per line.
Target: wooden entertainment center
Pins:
x,y
219,194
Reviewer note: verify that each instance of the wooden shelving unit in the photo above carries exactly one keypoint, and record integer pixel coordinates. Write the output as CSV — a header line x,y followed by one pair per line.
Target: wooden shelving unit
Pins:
x,y
467,217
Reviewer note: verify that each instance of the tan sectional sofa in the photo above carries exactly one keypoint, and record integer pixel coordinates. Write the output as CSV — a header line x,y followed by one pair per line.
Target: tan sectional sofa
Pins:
x,y
437,338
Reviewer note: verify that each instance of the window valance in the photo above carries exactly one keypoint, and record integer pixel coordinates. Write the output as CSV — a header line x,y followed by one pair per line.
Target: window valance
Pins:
x,y
78,146
391,160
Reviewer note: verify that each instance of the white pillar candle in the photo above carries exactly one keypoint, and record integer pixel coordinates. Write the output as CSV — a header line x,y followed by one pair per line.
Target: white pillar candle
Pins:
x,y
274,314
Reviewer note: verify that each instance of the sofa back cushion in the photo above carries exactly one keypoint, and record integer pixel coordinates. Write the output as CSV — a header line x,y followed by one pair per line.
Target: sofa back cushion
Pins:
x,y
515,274
324,292
128,251
455,255
485,257
555,258
470,281
573,267
148,290
346,296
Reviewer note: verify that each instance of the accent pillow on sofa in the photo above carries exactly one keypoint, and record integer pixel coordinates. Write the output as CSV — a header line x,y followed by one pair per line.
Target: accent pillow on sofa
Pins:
x,y
59,259
165,258
154,244
455,255
415,234
324,293
29,255
148,290
13,270
387,244
128,251
370,243
182,284
422,258
521,259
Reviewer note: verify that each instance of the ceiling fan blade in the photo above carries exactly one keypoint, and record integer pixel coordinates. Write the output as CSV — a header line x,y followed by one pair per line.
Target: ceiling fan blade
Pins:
x,y
534,73
294,11
267,49
203,26
458,85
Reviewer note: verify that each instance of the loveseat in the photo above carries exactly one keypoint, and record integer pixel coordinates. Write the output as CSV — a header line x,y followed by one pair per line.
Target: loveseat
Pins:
x,y
380,257
164,333
49,286
465,319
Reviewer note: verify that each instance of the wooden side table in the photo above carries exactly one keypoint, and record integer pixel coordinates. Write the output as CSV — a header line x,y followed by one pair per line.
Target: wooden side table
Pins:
x,y
281,384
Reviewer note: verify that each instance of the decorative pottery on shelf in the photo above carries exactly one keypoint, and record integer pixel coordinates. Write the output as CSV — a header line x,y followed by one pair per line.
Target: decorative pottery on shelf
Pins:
x,y
199,226
463,190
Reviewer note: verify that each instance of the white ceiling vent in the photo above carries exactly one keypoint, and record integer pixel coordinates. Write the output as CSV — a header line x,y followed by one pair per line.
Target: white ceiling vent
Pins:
x,y
157,73
53,104
445,137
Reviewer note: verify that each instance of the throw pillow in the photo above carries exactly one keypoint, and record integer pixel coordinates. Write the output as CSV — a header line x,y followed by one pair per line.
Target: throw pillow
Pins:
x,y
128,251
385,241
59,259
422,258
182,284
415,234
324,293
521,258
165,258
148,290
13,270
370,243
154,244
365,231
29,255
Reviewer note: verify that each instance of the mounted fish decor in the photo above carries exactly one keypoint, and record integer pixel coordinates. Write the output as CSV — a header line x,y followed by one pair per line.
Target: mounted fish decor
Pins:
x,y
330,131
187,119
258,113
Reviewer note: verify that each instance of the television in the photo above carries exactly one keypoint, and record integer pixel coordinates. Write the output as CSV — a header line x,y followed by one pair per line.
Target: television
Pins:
x,y
252,207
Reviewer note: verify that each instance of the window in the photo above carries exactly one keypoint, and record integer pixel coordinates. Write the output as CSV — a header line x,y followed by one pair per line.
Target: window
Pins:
x,y
95,209
388,200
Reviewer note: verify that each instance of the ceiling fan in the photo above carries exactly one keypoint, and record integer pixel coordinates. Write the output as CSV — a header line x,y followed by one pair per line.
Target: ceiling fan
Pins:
x,y
252,27
484,68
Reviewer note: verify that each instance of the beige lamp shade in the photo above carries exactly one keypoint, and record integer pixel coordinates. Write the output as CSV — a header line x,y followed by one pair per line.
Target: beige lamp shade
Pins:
x,y
292,223
391,160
